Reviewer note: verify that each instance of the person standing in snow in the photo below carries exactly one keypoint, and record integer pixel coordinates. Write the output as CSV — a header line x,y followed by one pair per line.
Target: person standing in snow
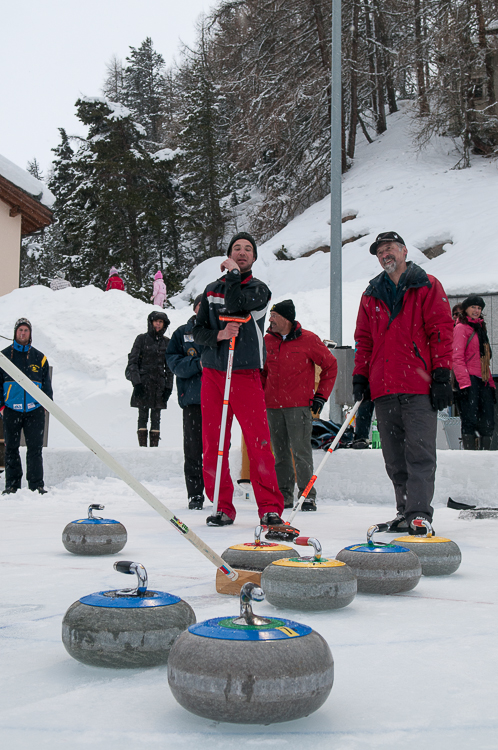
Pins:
x,y
159,294
404,335
471,365
289,383
151,377
21,411
114,281
183,356
236,293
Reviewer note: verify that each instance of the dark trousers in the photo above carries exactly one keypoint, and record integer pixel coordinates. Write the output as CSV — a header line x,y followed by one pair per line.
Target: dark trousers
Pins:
x,y
33,424
477,410
192,449
290,430
363,420
143,418
407,425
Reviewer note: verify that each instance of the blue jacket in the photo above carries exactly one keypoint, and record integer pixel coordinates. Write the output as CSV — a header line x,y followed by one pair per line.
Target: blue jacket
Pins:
x,y
183,357
34,365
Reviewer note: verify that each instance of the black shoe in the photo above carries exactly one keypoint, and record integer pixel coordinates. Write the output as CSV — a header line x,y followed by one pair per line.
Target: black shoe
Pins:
x,y
271,519
196,502
359,444
41,490
288,503
420,526
397,525
219,519
309,504
10,490
459,506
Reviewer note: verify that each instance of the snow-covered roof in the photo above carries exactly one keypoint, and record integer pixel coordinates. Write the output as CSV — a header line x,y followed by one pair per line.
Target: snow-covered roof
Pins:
x,y
26,182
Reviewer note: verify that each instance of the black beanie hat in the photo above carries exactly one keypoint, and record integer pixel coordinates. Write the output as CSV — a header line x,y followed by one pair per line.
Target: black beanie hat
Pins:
x,y
243,236
286,309
197,300
473,299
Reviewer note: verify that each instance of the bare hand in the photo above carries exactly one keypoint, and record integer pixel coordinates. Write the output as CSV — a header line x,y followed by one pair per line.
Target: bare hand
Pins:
x,y
231,330
229,265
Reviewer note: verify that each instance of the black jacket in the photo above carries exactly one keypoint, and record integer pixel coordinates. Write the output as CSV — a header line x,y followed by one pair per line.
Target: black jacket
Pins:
x,y
147,365
233,294
34,365
183,356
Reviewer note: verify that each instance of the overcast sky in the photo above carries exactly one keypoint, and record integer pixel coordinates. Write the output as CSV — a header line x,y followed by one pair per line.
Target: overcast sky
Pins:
x,y
53,51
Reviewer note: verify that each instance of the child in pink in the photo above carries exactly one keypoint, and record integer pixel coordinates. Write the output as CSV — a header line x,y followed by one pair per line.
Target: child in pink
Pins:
x,y
159,295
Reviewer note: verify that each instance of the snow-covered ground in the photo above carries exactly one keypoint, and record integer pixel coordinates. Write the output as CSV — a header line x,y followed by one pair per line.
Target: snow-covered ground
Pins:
x,y
414,670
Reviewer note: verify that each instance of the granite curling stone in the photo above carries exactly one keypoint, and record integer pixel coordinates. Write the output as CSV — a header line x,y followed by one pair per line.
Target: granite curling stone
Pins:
x,y
309,583
249,560
382,568
94,535
438,556
127,628
250,669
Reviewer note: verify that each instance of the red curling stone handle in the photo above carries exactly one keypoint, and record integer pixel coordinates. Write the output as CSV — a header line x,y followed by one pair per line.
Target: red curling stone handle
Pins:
x,y
302,541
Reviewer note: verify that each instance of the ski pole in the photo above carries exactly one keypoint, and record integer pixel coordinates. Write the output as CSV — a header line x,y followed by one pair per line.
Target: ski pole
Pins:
x,y
331,449
224,412
116,467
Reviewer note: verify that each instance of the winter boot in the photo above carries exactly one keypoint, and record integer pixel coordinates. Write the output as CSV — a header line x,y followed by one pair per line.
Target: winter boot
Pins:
x,y
154,438
10,490
469,442
485,443
142,437
359,444
397,525
309,504
219,519
271,519
195,502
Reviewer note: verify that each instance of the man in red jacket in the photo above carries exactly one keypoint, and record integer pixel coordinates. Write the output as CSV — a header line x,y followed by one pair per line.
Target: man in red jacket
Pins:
x,y
404,337
289,382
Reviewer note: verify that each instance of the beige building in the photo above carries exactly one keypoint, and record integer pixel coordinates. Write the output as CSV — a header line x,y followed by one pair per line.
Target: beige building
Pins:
x,y
24,208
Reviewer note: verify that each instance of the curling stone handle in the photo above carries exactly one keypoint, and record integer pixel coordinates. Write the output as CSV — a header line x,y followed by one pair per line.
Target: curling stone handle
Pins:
x,y
257,535
373,529
310,541
128,567
250,592
422,523
93,507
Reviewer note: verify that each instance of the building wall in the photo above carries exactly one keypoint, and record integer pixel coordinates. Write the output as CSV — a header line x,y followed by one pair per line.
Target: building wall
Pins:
x,y
10,249
490,315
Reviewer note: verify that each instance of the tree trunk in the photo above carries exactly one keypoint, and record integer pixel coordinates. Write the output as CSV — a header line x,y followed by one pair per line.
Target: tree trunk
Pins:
x,y
419,61
353,114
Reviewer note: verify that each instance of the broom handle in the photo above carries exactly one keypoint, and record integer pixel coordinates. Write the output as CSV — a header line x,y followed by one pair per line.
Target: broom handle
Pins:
x,y
116,467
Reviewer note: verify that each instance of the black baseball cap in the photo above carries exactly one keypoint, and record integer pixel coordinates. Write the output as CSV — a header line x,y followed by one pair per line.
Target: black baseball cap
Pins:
x,y
385,237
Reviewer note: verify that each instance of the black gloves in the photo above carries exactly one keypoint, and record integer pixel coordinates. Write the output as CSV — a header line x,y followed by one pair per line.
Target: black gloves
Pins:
x,y
317,404
361,389
441,390
166,395
139,391
463,394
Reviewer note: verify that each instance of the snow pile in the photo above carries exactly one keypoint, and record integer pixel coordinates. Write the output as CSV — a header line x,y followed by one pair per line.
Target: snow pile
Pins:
x,y
26,182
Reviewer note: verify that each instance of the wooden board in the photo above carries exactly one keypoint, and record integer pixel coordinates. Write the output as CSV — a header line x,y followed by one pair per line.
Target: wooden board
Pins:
x,y
232,588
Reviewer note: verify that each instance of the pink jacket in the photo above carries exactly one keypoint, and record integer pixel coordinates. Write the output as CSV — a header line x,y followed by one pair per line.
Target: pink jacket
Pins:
x,y
466,357
159,292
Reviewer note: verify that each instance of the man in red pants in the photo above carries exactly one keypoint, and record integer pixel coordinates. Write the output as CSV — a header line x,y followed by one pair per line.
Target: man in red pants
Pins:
x,y
237,293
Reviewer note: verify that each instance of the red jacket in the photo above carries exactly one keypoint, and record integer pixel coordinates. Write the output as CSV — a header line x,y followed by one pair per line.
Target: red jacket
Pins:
x,y
115,282
289,373
466,356
397,351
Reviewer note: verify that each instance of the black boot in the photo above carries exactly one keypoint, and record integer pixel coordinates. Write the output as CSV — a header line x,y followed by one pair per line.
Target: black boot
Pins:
x,y
154,438
485,442
469,442
142,437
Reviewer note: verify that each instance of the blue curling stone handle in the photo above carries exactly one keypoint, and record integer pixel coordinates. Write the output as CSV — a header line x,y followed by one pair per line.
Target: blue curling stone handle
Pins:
x,y
95,521
376,549
151,599
223,629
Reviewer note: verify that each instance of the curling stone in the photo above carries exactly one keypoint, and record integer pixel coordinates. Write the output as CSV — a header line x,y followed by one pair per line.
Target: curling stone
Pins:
x,y
309,583
249,560
250,669
438,556
382,568
94,535
127,628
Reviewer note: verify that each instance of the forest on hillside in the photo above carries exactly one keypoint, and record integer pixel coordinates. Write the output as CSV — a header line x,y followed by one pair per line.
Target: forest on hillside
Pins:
x,y
236,136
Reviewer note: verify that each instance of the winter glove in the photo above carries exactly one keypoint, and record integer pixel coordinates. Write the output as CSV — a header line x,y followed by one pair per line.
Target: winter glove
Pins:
x,y
441,390
166,395
139,391
317,404
361,389
463,394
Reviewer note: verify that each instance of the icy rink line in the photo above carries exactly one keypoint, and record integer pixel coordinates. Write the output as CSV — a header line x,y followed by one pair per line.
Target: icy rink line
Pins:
x,y
348,476
415,671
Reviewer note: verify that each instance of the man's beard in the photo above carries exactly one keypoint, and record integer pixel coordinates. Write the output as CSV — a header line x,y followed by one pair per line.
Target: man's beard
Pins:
x,y
389,265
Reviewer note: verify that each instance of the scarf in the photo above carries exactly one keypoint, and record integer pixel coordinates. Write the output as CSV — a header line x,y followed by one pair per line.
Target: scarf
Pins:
x,y
479,327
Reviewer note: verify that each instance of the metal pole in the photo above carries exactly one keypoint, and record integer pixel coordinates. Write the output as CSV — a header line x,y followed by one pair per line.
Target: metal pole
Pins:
x,y
335,193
